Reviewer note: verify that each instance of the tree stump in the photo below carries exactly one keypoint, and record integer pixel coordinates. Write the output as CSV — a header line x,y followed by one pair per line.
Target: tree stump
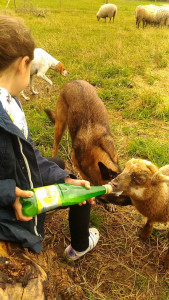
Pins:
x,y
25,275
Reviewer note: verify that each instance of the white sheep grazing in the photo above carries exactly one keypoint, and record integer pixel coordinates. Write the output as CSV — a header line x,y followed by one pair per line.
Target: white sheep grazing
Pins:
x,y
162,15
148,188
146,14
107,11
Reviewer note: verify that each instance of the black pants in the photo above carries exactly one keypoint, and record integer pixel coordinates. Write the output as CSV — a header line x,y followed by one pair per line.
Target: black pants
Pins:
x,y
78,219
79,226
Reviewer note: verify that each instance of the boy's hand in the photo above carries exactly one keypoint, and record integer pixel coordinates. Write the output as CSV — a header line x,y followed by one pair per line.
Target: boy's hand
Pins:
x,y
83,183
18,206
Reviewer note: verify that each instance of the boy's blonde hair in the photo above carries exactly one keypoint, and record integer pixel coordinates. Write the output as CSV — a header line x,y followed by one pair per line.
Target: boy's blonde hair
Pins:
x,y
16,41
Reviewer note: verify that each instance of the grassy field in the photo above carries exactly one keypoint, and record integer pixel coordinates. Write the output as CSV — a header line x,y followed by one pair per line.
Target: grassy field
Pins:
x,y
129,68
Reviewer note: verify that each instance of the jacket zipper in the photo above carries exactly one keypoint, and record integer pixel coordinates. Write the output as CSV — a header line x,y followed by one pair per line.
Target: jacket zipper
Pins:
x,y
30,181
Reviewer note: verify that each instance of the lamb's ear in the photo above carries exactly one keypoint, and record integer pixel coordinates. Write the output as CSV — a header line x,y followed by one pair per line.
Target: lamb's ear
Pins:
x,y
159,177
106,173
153,168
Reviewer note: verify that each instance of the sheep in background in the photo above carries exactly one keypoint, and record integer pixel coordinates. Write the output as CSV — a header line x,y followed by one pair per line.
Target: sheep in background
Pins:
x,y
148,188
146,14
162,15
107,11
152,14
139,15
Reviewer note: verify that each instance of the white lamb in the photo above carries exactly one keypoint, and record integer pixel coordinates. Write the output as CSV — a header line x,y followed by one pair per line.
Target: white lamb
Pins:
x,y
107,11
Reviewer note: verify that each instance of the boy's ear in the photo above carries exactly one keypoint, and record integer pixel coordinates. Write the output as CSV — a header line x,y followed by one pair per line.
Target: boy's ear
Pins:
x,y
22,62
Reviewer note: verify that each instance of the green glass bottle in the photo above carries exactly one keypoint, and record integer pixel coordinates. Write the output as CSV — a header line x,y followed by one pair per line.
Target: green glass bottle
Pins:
x,y
64,194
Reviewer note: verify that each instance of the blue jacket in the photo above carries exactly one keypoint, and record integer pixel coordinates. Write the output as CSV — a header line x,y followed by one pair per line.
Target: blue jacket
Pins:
x,y
22,165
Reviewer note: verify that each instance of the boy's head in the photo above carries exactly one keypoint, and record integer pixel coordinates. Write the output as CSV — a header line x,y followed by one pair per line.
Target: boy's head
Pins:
x,y
15,41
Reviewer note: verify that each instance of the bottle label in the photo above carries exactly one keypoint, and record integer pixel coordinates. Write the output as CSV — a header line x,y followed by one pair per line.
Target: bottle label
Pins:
x,y
48,198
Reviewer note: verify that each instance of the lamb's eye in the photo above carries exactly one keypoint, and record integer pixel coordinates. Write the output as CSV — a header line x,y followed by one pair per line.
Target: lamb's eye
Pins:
x,y
138,179
133,176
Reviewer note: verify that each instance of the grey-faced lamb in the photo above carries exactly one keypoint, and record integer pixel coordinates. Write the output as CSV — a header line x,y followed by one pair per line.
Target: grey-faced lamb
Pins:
x,y
107,11
148,188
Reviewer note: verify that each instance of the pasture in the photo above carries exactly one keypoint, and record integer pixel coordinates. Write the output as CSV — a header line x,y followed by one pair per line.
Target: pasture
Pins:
x,y
129,68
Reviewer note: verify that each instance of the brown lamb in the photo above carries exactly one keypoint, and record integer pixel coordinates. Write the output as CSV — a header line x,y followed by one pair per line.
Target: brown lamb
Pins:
x,y
148,188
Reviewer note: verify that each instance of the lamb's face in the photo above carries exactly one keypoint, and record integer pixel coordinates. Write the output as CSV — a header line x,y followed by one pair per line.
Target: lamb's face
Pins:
x,y
135,178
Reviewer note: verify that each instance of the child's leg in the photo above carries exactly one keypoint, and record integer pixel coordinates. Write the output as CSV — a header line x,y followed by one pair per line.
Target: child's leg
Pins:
x,y
79,226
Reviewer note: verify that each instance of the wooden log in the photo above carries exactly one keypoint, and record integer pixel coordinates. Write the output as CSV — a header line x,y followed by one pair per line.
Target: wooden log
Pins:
x,y
25,275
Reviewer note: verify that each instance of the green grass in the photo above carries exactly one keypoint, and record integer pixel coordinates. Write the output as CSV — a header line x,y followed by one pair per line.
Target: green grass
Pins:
x,y
141,282
149,149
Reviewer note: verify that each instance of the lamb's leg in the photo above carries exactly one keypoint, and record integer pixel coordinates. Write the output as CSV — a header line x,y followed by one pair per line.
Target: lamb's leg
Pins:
x,y
137,23
114,16
166,261
144,23
147,230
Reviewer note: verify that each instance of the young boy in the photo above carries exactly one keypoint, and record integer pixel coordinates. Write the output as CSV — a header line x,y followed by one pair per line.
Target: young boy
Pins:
x,y
21,165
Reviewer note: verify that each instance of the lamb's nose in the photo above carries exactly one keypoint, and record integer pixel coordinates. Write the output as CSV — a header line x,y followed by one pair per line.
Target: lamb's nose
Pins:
x,y
113,183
